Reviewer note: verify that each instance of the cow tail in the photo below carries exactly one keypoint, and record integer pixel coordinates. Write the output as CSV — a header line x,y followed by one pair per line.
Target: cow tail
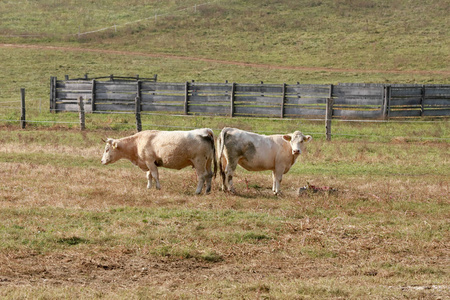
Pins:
x,y
220,145
214,156
211,141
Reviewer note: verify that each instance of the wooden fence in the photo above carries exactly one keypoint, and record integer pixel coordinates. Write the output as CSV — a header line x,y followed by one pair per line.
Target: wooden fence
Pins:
x,y
350,101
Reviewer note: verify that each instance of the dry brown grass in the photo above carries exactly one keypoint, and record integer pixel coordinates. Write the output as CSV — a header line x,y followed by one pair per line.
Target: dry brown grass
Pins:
x,y
73,228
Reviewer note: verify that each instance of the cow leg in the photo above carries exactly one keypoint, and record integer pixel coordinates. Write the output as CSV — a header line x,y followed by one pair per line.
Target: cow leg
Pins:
x,y
276,176
229,171
203,176
153,172
149,180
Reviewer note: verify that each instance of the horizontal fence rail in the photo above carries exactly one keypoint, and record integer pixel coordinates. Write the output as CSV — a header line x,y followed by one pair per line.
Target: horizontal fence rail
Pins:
x,y
350,100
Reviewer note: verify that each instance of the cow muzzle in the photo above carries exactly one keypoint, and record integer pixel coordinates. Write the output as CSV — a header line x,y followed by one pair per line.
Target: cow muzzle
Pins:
x,y
296,152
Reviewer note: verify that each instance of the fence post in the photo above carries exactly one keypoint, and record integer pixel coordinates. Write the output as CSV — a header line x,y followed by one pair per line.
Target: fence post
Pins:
x,y
328,117
81,113
422,100
283,97
52,94
23,122
93,96
137,105
233,88
186,98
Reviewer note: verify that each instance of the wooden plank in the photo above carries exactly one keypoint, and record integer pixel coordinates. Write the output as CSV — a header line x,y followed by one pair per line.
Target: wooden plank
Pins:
x,y
304,100
73,95
297,111
162,86
345,91
71,107
406,92
266,111
311,90
115,107
406,101
211,87
258,88
222,110
362,114
257,100
206,99
358,101
163,93
437,113
115,96
163,108
157,98
438,91
73,86
404,113
437,102
101,87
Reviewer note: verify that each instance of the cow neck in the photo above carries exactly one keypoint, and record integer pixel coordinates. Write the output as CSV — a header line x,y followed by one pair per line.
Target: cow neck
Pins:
x,y
289,149
129,148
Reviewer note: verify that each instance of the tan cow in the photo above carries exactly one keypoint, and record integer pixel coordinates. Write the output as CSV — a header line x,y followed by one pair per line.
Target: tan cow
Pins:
x,y
169,149
255,152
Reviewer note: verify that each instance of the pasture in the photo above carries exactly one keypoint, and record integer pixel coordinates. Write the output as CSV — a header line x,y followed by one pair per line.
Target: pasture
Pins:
x,y
72,228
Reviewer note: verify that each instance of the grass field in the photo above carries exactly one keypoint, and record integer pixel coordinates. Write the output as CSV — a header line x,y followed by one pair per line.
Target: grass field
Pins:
x,y
73,228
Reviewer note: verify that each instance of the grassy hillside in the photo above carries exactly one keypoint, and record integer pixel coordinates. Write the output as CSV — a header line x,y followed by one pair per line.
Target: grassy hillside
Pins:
x,y
357,34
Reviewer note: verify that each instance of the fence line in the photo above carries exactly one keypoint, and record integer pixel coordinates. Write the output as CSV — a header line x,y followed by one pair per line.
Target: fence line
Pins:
x,y
350,101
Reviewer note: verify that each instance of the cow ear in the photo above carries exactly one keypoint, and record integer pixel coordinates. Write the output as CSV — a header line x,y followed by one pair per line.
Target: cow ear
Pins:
x,y
114,145
307,138
287,137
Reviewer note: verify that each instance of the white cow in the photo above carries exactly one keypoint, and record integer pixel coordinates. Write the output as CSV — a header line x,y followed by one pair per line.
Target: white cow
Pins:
x,y
151,149
255,152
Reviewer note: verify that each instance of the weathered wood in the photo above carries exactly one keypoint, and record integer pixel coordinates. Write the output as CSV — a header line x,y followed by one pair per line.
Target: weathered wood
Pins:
x,y
358,101
437,113
328,117
158,98
163,86
404,113
115,96
74,86
137,112
258,100
283,100
350,100
304,100
257,111
73,95
211,110
53,82
258,88
359,114
209,98
81,113
232,99
109,87
23,118
346,91
186,98
163,108
297,111
93,96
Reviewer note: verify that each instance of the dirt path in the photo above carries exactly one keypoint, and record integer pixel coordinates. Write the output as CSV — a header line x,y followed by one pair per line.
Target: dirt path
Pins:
x,y
218,61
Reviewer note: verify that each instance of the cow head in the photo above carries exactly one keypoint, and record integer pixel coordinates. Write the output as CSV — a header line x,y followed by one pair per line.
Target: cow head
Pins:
x,y
111,153
297,140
